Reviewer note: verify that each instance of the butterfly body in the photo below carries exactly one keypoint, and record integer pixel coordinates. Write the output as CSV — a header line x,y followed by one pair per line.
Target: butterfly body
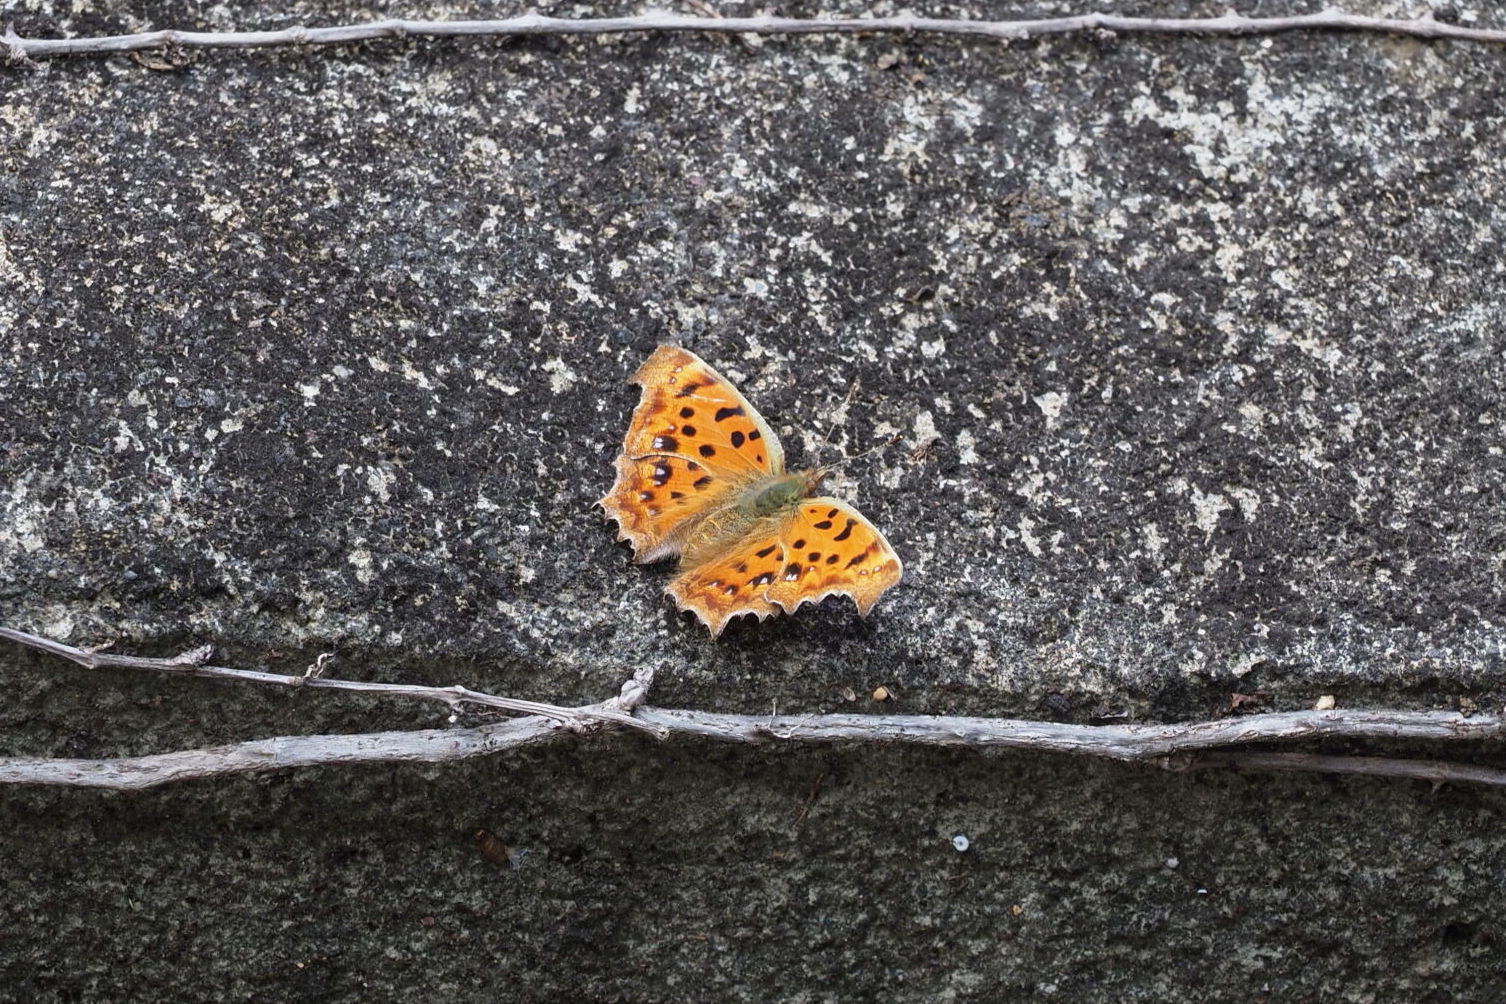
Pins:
x,y
701,476
757,508
783,492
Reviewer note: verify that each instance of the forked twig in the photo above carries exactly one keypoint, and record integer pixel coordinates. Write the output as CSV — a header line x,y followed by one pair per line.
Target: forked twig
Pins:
x,y
192,663
1182,746
1424,26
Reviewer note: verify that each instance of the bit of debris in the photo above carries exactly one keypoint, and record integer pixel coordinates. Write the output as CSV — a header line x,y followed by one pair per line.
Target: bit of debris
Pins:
x,y
1244,704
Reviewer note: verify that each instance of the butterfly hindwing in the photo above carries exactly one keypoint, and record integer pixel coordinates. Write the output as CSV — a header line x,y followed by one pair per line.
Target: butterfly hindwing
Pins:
x,y
732,583
831,548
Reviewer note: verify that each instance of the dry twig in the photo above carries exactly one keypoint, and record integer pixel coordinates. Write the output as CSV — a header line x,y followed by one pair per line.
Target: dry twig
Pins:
x,y
1436,771
1114,742
1423,26
1167,746
192,663
1176,746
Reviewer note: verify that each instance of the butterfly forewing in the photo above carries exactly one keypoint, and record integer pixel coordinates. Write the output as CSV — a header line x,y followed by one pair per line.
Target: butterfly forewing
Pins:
x,y
690,410
692,444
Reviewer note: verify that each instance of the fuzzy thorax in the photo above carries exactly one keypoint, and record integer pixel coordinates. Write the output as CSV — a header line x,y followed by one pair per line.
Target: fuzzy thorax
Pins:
x,y
766,501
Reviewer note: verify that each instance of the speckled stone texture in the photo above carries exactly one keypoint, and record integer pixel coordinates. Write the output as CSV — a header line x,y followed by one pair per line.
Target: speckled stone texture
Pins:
x,y
1197,349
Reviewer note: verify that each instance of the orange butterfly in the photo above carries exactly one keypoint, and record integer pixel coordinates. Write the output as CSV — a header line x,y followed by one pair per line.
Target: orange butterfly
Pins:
x,y
702,476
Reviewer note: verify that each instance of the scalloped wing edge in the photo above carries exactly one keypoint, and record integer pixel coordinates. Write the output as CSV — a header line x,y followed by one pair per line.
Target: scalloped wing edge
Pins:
x,y
877,594
646,547
716,625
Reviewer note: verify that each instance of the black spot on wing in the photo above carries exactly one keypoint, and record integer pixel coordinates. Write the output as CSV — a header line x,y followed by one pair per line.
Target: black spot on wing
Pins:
x,y
666,443
768,550
688,431
702,481
846,530
687,412
690,389
825,524
707,450
737,439
722,414
755,434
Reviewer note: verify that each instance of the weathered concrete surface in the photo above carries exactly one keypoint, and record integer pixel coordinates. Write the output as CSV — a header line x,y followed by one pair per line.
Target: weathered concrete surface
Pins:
x,y
311,350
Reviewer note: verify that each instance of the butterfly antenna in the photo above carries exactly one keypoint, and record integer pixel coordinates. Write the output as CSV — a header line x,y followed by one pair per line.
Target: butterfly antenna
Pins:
x,y
841,416
843,462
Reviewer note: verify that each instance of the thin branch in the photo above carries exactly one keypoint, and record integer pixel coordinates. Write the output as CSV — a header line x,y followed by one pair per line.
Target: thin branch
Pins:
x,y
191,663
283,752
261,755
1115,742
1175,746
1168,745
1436,771
1423,26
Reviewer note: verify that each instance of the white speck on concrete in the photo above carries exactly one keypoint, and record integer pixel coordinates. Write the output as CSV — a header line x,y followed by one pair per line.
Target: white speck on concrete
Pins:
x,y
361,559
924,429
966,447
1247,500
1028,538
1154,542
379,482
1207,508
561,376
1051,404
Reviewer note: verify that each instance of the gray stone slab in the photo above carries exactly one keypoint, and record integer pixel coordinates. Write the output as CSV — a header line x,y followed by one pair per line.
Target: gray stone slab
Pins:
x,y
1196,346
